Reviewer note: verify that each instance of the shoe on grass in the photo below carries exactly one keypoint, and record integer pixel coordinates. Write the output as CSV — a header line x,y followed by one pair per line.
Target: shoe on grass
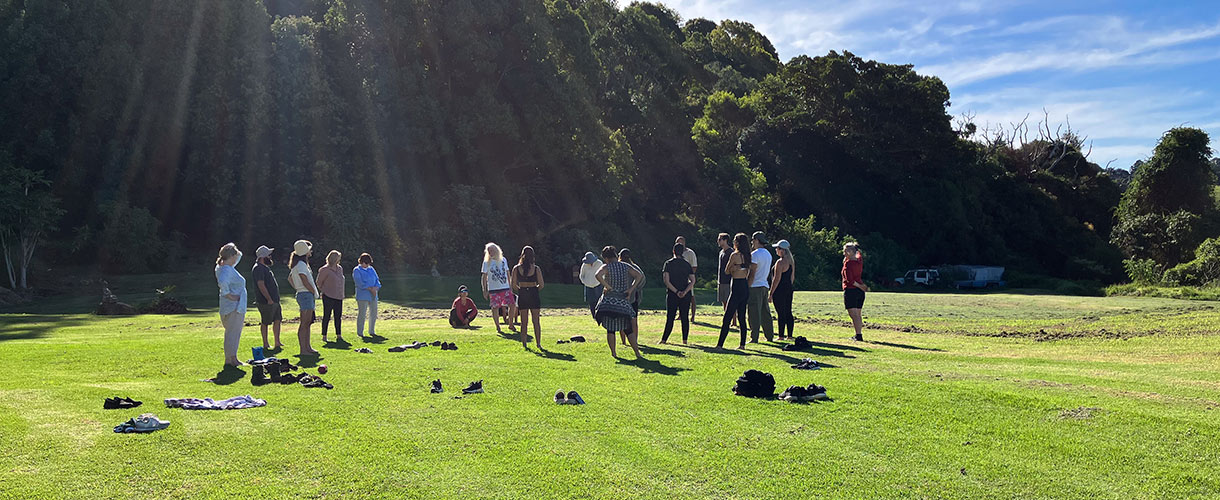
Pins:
x,y
793,394
575,399
474,388
436,387
438,343
560,398
399,348
816,393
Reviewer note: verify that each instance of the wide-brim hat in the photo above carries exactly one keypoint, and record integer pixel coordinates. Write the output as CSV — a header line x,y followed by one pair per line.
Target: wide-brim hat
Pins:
x,y
590,258
302,247
263,251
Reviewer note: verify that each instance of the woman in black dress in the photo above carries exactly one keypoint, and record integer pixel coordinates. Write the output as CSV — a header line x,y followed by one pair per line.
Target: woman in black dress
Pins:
x,y
614,312
739,268
526,282
781,287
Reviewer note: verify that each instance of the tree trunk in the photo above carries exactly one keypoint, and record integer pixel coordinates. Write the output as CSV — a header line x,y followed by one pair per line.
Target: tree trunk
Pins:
x,y
8,261
28,244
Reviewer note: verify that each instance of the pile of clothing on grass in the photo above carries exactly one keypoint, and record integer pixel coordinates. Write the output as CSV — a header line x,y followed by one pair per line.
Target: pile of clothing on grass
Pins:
x,y
758,384
278,371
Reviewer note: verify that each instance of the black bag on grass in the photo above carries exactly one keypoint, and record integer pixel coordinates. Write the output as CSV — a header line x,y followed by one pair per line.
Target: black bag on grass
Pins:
x,y
755,384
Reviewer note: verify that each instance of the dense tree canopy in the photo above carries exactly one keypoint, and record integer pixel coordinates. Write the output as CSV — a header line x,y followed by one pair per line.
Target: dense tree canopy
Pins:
x,y
417,130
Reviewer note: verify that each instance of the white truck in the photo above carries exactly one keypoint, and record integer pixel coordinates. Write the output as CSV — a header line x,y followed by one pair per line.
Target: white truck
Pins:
x,y
925,277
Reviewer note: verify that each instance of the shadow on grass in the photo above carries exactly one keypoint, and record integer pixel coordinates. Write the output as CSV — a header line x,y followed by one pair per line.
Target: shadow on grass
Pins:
x,y
228,375
904,346
515,336
337,344
374,339
554,355
646,349
308,360
777,354
32,326
651,366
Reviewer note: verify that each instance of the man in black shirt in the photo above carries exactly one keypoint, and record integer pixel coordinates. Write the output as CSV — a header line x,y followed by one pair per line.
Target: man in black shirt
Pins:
x,y
268,297
679,280
724,283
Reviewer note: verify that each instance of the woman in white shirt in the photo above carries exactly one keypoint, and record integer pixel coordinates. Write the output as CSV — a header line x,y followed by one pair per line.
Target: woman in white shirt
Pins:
x,y
301,279
232,300
496,287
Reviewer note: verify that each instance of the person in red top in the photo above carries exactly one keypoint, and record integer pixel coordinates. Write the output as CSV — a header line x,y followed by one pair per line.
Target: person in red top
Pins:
x,y
853,285
464,310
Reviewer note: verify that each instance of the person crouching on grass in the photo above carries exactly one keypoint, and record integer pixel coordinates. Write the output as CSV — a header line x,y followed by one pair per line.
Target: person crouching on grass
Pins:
x,y
464,310
853,285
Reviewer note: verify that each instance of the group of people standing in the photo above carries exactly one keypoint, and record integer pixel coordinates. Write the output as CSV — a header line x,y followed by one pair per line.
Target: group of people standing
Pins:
x,y
329,286
749,280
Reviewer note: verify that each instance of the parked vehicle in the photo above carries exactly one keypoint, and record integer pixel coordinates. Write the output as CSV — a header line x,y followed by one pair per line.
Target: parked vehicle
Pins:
x,y
980,277
926,277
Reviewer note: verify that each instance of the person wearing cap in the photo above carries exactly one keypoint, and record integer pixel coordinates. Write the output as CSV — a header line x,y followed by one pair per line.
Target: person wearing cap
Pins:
x,y
368,286
332,284
588,278
232,300
268,297
496,287
690,258
301,279
758,311
782,275
464,310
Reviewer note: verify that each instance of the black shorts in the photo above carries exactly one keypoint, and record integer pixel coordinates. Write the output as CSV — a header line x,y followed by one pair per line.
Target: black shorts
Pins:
x,y
270,313
853,298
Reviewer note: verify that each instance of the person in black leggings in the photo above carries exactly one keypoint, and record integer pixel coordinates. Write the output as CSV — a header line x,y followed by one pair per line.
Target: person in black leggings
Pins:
x,y
679,279
742,271
781,287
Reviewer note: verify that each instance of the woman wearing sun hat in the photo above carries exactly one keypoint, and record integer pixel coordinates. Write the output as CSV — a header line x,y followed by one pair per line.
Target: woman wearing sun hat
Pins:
x,y
301,279
781,287
232,300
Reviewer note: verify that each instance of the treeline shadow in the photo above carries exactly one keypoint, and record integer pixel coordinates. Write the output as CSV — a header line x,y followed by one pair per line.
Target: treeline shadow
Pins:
x,y
32,326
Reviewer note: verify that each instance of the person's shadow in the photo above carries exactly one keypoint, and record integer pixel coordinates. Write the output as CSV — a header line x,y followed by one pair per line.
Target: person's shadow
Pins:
x,y
651,366
308,360
228,375
338,344
646,349
904,346
374,339
554,355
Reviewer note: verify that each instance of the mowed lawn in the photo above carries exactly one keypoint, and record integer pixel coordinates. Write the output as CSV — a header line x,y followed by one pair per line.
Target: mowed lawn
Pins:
x,y
983,396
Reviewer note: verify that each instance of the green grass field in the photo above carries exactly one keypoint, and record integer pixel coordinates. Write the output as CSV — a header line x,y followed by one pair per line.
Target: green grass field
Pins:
x,y
952,396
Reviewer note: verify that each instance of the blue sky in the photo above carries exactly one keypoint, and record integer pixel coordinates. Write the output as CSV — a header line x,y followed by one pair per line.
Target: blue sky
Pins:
x,y
1121,73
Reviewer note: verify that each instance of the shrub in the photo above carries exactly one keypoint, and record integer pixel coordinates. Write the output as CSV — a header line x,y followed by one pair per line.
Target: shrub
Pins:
x,y
1204,270
1142,271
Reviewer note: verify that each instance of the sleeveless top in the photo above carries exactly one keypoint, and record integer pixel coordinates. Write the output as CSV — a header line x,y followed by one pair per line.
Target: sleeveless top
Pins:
x,y
785,280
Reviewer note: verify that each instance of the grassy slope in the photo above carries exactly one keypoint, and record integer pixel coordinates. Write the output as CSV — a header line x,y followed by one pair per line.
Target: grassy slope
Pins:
x,y
935,413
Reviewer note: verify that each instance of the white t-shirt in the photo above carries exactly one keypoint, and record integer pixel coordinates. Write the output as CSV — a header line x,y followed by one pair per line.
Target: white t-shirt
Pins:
x,y
497,275
294,277
689,257
761,257
588,274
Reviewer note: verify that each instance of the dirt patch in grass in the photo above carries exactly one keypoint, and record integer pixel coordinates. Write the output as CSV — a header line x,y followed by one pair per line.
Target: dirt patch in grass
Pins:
x,y
1080,413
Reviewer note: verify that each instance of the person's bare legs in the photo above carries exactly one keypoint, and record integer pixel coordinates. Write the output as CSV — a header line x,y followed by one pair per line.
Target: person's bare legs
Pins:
x,y
303,333
266,346
537,328
276,328
610,340
857,322
495,318
512,315
635,346
524,328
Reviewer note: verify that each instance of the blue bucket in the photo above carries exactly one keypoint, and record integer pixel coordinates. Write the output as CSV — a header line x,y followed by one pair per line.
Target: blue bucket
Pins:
x,y
257,352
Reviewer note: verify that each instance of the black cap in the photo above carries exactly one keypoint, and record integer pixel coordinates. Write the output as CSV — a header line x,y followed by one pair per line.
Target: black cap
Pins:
x,y
758,235
463,289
